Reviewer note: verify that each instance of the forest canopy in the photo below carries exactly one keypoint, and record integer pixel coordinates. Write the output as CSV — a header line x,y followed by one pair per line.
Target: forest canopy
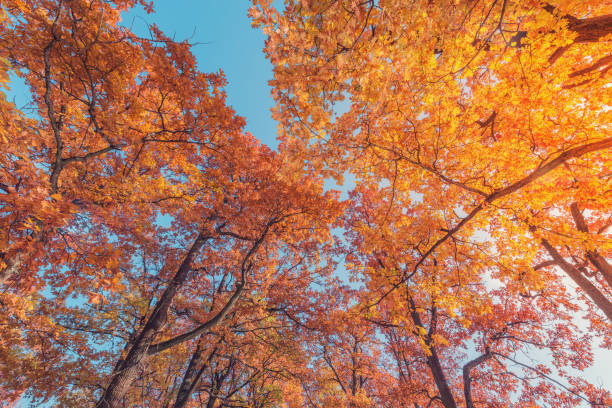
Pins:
x,y
153,253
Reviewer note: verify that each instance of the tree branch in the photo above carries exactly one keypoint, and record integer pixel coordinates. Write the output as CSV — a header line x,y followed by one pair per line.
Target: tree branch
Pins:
x,y
592,292
467,380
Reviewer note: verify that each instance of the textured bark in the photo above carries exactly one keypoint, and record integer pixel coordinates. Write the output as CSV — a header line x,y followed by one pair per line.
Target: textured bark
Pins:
x,y
592,29
124,373
156,348
598,261
433,362
446,394
588,30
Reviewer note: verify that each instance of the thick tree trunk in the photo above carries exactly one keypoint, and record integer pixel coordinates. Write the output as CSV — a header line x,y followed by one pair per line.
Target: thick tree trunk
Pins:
x,y
588,30
125,372
592,29
446,395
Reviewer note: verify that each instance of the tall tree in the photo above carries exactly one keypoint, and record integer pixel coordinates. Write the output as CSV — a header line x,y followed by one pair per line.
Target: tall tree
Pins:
x,y
493,109
153,254
478,133
137,215
454,330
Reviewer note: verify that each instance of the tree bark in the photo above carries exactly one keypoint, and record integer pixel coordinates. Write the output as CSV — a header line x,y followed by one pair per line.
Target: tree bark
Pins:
x,y
587,29
124,373
156,348
446,394
192,376
591,29
598,261
433,362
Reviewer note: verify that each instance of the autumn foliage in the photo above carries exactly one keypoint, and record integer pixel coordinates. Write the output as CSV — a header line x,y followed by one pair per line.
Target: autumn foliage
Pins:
x,y
154,254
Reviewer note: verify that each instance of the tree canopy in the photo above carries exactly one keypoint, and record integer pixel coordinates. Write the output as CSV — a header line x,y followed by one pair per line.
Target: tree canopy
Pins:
x,y
155,254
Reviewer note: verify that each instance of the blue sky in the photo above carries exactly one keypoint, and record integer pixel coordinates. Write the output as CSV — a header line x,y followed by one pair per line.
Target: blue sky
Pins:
x,y
227,42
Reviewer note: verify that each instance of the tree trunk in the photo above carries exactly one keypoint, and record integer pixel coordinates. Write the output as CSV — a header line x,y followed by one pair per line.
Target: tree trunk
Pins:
x,y
446,394
433,361
598,261
192,375
124,373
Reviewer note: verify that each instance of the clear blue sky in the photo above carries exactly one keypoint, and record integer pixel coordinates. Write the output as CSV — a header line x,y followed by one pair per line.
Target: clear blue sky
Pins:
x,y
227,42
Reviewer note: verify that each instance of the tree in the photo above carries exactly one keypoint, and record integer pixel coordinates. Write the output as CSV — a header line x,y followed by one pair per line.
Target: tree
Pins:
x,y
137,214
457,336
345,364
268,234
154,254
495,110
478,136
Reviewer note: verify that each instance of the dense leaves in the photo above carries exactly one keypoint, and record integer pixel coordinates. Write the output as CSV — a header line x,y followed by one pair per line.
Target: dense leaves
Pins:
x,y
154,254
478,132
